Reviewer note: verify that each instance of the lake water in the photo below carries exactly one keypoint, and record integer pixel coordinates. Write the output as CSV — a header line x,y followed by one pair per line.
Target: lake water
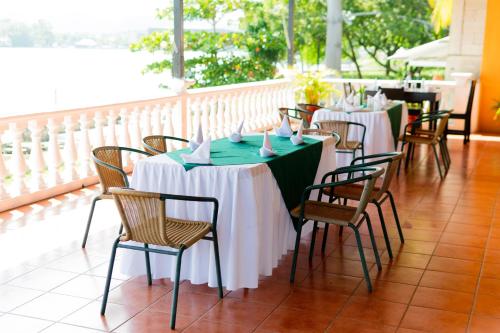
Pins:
x,y
38,80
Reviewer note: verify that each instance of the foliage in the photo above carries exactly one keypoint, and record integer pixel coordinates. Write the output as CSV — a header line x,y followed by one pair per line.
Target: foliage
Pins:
x,y
441,14
312,87
381,27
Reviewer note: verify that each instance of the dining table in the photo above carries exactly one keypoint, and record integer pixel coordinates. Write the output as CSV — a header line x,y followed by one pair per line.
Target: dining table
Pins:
x,y
255,196
383,127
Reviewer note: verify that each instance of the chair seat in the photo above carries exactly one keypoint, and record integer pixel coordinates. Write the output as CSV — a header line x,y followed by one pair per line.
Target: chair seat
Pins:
x,y
182,232
417,139
349,145
326,212
351,192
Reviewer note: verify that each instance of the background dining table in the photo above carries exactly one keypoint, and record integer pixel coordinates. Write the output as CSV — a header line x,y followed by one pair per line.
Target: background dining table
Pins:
x,y
382,127
254,226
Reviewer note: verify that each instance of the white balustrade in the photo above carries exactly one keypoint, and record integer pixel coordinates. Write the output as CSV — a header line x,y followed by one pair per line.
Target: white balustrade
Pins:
x,y
218,109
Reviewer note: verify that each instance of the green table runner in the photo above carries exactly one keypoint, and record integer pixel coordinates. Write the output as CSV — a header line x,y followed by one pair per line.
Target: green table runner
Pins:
x,y
395,113
294,167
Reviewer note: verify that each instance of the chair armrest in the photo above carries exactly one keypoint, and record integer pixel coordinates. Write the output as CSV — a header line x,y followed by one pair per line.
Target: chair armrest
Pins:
x,y
164,196
112,167
133,150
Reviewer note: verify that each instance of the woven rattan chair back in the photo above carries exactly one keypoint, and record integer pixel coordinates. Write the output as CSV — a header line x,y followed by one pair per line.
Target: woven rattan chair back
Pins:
x,y
337,126
109,177
368,187
441,125
143,215
157,142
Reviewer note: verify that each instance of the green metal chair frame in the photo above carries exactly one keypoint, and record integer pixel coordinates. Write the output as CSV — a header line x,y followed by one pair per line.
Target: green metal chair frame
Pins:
x,y
337,126
317,131
118,177
146,231
445,153
434,137
297,114
369,178
390,163
164,138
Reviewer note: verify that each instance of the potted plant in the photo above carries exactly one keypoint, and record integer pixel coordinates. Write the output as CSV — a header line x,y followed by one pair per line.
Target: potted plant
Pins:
x,y
496,108
313,89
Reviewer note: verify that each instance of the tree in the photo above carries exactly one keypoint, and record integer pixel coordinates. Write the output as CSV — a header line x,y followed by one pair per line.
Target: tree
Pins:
x,y
381,27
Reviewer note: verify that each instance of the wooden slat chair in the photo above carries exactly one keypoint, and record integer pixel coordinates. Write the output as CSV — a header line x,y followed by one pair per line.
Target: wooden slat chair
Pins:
x,y
380,193
145,220
296,116
341,215
157,144
342,128
109,167
433,139
466,117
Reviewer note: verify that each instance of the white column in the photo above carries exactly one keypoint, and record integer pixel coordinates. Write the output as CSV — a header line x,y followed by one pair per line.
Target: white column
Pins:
x,y
135,127
212,107
54,160
156,117
99,130
36,162
146,117
84,147
111,134
69,150
18,163
125,136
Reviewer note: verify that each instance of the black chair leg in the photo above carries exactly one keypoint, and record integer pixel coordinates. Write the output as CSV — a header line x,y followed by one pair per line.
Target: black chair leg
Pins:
x,y
396,217
437,161
296,251
384,229
374,243
108,277
313,240
173,315
89,221
362,257
402,150
217,263
148,265
325,237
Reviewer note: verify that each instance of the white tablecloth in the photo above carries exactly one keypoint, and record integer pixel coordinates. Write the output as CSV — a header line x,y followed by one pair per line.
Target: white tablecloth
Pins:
x,y
378,138
254,226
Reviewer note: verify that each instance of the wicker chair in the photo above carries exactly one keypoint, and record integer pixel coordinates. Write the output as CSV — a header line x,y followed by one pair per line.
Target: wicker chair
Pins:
x,y
388,161
145,221
432,138
109,167
157,144
316,131
342,128
341,215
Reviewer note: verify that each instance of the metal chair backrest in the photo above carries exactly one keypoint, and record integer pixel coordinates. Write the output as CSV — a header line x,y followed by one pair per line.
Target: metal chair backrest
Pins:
x,y
369,184
109,167
297,115
143,215
389,161
470,100
320,132
342,128
441,125
157,144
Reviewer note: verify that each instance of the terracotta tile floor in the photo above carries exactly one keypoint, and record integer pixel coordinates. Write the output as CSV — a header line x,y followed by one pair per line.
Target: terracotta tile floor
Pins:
x,y
445,278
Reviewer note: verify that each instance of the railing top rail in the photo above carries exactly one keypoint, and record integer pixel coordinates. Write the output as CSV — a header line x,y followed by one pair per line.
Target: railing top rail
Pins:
x,y
236,87
449,83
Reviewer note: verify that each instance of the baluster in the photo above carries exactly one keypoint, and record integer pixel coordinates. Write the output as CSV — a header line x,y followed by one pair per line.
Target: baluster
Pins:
x,y
54,161
240,105
247,112
111,134
212,106
227,115
235,112
84,147
146,118
269,106
36,162
204,117
220,117
3,171
99,129
136,131
69,150
125,136
156,120
259,105
18,163
194,109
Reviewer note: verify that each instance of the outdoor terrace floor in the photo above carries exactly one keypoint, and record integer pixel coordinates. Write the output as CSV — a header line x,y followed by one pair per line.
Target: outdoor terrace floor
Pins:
x,y
445,278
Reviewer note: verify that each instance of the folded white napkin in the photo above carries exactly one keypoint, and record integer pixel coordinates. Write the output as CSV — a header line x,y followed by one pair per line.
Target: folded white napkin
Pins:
x,y
350,99
340,102
297,139
200,156
348,107
284,130
236,135
197,140
356,100
383,99
379,101
266,150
